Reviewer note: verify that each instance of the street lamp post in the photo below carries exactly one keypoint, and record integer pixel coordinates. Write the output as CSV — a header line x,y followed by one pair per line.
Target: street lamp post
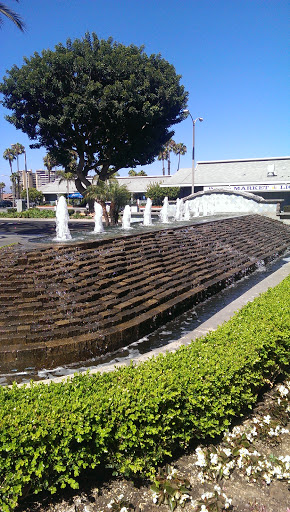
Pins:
x,y
26,176
193,146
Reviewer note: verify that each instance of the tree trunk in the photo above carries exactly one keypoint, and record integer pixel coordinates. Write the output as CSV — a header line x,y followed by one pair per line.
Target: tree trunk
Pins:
x,y
105,213
114,214
168,164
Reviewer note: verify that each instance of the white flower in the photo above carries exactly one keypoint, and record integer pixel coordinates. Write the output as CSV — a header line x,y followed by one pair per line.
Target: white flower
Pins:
x,y
121,497
283,390
183,498
227,451
243,452
249,470
207,495
217,489
213,458
124,509
200,458
155,497
267,419
267,478
201,478
111,504
203,508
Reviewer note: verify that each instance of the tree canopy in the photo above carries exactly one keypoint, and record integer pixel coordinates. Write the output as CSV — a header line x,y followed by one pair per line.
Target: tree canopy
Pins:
x,y
111,104
157,193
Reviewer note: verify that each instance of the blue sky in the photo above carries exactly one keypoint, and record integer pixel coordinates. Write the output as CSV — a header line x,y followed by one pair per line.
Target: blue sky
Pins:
x,y
232,55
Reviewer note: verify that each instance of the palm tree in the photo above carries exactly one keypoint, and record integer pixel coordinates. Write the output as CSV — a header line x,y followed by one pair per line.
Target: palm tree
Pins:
x,y
165,155
109,190
18,149
179,149
2,186
13,16
49,162
66,176
10,156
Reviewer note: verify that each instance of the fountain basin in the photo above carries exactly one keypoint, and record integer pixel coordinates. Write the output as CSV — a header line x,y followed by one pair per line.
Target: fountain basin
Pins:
x,y
80,300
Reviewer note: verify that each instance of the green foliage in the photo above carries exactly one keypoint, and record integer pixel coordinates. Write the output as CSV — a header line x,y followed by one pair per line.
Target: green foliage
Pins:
x,y
32,213
170,488
132,172
34,195
111,104
110,190
157,193
133,419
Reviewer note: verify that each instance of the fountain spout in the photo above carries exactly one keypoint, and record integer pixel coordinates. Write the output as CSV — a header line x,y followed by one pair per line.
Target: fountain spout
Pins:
x,y
62,218
126,221
164,211
99,228
147,219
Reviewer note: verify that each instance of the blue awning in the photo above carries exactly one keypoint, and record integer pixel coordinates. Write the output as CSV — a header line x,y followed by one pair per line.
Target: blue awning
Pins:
x,y
75,195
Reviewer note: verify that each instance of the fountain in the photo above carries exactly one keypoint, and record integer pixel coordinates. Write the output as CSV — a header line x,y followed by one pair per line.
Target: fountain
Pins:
x,y
216,202
99,228
87,299
187,211
179,209
147,219
126,221
164,211
62,218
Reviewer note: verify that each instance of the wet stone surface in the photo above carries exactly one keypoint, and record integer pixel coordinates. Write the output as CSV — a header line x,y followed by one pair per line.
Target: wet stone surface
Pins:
x,y
61,304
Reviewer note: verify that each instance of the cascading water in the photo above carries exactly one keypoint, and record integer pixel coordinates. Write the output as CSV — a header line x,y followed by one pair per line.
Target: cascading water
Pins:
x,y
147,219
62,218
99,228
186,211
126,221
179,209
164,211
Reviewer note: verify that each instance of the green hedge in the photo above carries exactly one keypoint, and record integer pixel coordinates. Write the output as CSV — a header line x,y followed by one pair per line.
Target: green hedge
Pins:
x,y
32,213
132,419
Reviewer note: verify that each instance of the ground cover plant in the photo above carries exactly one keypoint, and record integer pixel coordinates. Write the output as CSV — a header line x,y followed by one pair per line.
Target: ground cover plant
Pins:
x,y
136,418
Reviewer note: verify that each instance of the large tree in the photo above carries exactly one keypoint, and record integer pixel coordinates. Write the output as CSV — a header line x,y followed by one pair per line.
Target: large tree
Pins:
x,y
111,104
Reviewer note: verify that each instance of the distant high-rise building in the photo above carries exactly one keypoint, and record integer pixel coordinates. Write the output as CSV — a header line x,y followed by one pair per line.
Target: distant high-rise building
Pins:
x,y
30,177
43,177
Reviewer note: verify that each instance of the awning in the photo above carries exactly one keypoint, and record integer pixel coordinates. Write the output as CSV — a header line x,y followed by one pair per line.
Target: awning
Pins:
x,y
75,195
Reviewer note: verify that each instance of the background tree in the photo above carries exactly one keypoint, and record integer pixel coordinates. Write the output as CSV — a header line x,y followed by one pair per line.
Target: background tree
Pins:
x,y
111,104
157,193
18,149
49,162
164,155
13,16
67,177
2,186
179,149
132,172
35,196
109,190
14,177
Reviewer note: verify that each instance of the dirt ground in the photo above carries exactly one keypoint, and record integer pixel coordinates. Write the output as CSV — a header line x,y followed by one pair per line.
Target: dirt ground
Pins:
x,y
246,496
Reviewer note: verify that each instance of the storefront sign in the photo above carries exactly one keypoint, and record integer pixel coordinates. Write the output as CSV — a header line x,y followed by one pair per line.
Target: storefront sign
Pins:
x,y
251,188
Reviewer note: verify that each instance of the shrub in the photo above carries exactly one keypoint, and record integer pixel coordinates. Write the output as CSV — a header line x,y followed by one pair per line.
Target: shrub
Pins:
x,y
135,418
32,213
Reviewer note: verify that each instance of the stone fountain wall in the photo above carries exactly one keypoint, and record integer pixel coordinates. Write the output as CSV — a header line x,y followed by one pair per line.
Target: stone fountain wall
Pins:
x,y
61,304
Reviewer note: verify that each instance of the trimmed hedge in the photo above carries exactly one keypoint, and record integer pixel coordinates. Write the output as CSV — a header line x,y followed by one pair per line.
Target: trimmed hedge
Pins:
x,y
132,419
